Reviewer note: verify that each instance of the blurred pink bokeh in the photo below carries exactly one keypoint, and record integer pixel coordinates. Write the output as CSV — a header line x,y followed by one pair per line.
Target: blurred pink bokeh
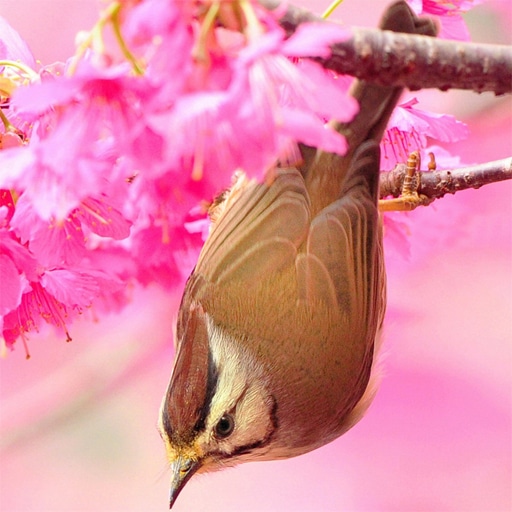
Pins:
x,y
77,421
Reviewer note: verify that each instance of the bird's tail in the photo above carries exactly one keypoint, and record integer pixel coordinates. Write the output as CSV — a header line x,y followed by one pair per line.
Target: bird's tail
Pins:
x,y
376,104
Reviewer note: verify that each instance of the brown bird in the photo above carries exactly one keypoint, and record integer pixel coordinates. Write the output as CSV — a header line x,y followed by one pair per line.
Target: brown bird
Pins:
x,y
278,326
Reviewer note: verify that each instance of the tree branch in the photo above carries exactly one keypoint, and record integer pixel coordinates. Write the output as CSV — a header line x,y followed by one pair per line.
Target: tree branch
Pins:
x,y
420,62
417,61
412,61
436,184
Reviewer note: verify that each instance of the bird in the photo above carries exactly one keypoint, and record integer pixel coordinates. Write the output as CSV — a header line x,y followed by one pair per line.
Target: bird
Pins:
x,y
279,325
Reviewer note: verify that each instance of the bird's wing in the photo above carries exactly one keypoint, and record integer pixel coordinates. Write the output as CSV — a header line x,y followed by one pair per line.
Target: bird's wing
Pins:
x,y
259,230
341,264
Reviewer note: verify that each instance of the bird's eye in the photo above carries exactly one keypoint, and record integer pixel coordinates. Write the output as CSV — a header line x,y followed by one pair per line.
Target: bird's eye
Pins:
x,y
225,426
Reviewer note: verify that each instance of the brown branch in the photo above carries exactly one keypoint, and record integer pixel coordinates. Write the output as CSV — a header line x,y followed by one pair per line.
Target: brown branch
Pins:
x,y
420,62
412,61
436,184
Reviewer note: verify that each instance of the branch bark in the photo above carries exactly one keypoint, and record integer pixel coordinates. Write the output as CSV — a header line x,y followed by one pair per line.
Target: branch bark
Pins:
x,y
436,184
410,60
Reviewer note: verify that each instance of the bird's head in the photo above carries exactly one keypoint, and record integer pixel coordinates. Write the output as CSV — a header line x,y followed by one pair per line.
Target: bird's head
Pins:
x,y
217,411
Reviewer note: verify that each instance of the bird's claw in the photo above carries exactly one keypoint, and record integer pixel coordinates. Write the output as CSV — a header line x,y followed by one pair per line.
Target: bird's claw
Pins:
x,y
409,198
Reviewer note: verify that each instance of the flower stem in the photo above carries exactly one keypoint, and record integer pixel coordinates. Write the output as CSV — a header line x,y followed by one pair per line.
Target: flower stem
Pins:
x,y
334,5
95,33
109,15
116,25
200,50
253,28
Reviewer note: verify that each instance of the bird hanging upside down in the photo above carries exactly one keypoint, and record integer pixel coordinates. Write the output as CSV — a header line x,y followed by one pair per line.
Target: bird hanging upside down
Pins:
x,y
278,327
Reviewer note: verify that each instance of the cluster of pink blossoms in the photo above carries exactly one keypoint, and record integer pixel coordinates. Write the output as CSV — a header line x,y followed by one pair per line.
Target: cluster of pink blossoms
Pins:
x,y
448,13
106,160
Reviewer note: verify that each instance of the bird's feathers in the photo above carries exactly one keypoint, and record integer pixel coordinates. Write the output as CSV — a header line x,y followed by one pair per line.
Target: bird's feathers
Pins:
x,y
258,232
292,289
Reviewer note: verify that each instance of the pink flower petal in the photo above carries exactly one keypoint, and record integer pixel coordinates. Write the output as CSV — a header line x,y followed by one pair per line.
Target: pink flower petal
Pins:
x,y
70,287
18,254
103,219
333,102
454,27
15,164
10,297
13,47
37,98
53,244
314,40
307,128
442,127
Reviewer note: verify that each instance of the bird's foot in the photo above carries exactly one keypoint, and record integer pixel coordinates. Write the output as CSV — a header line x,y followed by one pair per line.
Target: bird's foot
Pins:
x,y
409,198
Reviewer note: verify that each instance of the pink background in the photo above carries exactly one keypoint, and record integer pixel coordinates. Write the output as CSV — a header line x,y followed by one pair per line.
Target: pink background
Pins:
x,y
77,421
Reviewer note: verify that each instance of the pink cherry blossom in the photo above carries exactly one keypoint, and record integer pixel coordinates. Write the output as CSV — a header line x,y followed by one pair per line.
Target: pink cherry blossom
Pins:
x,y
268,103
410,129
448,13
161,33
167,262
46,272
77,287
97,117
36,306
10,297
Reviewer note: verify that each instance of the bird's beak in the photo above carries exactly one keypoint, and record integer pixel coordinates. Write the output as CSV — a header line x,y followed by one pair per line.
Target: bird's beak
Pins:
x,y
182,470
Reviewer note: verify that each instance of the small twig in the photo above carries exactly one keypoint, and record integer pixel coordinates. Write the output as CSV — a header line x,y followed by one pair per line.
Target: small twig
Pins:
x,y
412,61
436,184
